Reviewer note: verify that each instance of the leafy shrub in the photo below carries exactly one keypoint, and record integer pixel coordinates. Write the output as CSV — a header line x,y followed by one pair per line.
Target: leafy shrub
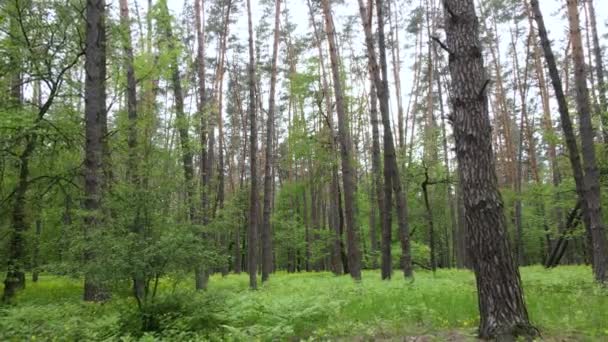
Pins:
x,y
187,312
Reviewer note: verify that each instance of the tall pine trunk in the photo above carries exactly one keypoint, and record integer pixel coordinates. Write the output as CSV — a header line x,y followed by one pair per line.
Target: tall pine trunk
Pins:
x,y
95,115
252,232
266,237
378,184
599,71
200,274
392,179
346,150
15,275
502,310
591,179
566,123
132,161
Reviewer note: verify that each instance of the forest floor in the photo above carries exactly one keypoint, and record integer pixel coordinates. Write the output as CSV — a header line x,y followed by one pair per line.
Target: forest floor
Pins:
x,y
564,303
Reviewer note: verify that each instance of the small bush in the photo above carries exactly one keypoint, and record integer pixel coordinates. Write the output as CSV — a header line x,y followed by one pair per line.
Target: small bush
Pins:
x,y
202,313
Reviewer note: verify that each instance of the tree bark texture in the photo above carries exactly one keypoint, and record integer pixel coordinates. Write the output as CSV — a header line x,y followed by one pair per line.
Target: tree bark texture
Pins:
x,y
500,296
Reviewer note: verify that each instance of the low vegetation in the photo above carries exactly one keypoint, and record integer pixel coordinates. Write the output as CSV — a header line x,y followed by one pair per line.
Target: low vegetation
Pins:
x,y
563,303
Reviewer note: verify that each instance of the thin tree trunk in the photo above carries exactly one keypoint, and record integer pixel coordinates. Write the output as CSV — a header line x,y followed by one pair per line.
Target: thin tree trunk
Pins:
x,y
566,123
429,218
181,121
266,232
521,85
252,232
200,276
592,175
392,179
347,156
599,71
36,253
219,89
132,162
446,160
334,187
378,185
547,126
396,59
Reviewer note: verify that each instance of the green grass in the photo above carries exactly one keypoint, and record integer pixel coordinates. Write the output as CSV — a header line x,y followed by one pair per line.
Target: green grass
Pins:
x,y
562,303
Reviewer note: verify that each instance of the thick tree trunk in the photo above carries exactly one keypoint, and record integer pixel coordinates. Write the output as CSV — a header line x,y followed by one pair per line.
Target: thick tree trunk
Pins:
x,y
15,275
502,310
592,175
95,114
252,232
346,151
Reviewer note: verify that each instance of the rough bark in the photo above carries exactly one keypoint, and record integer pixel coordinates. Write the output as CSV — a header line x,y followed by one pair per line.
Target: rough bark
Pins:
x,y
95,114
502,310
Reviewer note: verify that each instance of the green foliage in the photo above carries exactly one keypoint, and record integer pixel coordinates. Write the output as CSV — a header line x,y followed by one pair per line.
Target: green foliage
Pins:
x,y
177,314
564,303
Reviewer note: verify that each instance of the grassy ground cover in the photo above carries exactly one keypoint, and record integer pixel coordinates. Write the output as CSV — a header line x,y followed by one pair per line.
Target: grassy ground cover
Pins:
x,y
564,303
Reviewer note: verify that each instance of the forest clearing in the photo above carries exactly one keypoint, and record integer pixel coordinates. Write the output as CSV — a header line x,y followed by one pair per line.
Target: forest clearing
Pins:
x,y
262,170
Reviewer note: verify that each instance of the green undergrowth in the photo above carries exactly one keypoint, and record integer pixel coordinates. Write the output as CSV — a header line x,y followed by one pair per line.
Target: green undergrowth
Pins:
x,y
562,303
